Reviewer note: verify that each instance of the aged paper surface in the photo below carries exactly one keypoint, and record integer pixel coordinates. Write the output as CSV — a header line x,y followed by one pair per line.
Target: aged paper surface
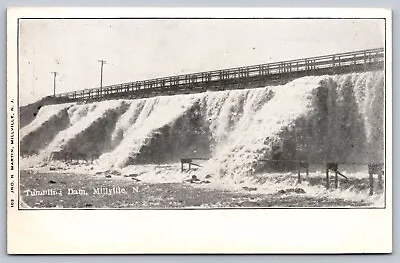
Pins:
x,y
147,130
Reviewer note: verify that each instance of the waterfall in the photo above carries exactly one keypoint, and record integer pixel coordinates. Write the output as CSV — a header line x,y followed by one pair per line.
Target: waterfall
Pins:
x,y
315,118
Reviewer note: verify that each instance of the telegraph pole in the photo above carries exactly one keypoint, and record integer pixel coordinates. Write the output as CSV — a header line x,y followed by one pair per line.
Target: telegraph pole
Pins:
x,y
54,82
102,62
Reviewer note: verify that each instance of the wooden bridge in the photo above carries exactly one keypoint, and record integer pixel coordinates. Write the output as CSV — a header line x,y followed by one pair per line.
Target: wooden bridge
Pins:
x,y
236,78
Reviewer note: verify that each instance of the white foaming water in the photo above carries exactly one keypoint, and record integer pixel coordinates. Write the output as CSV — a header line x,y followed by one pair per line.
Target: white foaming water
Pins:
x,y
252,138
127,119
246,143
44,114
78,125
240,126
156,112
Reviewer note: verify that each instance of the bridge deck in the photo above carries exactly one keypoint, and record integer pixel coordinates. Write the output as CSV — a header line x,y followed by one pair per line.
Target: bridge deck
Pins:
x,y
364,60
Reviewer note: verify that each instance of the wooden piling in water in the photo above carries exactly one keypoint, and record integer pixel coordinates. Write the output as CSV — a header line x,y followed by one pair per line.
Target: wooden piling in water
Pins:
x,y
336,180
307,171
375,169
380,180
327,177
298,176
371,183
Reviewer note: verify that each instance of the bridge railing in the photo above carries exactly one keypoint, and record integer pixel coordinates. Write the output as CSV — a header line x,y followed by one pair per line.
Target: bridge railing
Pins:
x,y
173,83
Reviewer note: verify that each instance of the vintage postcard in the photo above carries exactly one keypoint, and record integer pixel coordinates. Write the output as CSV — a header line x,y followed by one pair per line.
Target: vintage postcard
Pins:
x,y
149,130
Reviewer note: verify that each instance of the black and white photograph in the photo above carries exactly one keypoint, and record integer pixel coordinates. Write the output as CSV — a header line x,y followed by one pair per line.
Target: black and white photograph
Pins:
x,y
201,113
145,114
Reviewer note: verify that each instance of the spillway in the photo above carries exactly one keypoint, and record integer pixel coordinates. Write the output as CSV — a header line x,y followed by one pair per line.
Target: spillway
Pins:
x,y
315,118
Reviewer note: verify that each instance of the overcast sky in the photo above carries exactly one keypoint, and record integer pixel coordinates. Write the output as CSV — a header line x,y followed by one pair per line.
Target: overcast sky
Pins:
x,y
137,49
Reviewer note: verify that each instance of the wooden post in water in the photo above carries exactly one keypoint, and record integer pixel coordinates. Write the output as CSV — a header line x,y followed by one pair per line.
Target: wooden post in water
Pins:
x,y
327,177
336,180
375,169
307,171
298,176
380,180
371,183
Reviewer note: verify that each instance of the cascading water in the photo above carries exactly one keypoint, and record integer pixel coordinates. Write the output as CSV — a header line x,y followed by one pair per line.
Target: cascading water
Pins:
x,y
321,118
318,119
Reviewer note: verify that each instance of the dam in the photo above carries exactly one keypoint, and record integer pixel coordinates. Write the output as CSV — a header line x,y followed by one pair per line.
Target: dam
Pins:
x,y
243,123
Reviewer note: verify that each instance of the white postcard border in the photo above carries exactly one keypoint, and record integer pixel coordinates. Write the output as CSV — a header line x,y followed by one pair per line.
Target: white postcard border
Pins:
x,y
216,231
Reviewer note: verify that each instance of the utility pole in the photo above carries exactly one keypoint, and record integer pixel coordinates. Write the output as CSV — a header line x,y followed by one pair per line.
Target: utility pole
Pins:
x,y
54,82
102,62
